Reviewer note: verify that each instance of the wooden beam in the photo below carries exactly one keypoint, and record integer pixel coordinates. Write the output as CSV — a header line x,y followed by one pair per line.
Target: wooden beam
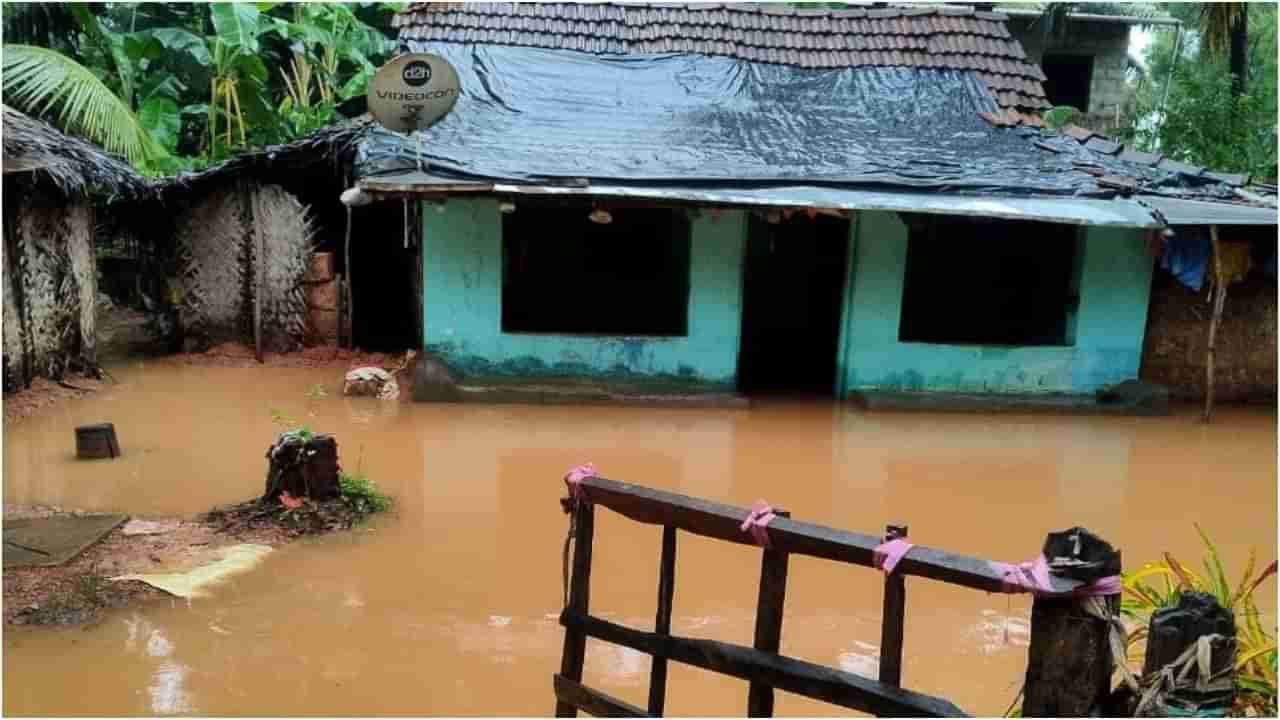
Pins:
x,y
260,287
789,674
351,306
662,623
893,618
594,702
722,522
768,637
575,640
1219,301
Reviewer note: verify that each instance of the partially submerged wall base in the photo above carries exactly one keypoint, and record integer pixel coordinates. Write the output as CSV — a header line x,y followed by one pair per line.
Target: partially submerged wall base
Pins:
x,y
219,240
1177,334
50,289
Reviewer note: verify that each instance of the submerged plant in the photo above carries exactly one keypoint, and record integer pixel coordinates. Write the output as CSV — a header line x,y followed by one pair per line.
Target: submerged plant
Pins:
x,y
1157,585
290,427
362,494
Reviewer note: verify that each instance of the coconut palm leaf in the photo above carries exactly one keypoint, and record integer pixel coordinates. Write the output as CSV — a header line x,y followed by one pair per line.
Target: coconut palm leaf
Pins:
x,y
38,80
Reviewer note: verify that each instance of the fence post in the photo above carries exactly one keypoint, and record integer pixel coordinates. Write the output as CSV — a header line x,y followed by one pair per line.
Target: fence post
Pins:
x,y
893,617
773,592
575,639
1175,629
1069,662
662,623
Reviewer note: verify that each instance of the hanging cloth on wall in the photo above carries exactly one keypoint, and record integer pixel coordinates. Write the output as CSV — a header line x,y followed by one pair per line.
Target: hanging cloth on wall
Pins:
x,y
1186,256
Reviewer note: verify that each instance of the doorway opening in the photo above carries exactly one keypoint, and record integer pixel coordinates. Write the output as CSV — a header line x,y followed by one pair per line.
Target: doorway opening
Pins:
x,y
383,277
793,291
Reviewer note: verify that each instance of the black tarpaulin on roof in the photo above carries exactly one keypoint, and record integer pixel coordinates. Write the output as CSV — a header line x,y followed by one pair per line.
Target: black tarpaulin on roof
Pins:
x,y
536,115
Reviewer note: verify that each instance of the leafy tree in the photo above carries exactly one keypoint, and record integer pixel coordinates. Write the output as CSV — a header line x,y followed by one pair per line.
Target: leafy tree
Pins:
x,y
172,86
1206,120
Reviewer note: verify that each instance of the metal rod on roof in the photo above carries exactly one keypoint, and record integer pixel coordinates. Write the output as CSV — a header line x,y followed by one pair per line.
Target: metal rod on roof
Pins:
x,y
1093,17
1168,83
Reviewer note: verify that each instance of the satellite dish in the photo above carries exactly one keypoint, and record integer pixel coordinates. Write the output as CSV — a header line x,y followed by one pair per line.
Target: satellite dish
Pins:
x,y
413,91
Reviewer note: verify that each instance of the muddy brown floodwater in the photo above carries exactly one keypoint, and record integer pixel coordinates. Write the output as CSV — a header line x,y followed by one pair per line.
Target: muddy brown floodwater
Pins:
x,y
448,605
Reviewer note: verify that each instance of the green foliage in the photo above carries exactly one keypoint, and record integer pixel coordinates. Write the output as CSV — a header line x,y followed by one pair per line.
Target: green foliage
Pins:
x,y
362,494
1256,647
202,81
1060,116
291,427
39,81
1202,122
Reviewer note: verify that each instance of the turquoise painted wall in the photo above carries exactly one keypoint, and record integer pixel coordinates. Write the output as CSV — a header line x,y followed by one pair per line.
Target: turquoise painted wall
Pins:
x,y
462,307
1115,286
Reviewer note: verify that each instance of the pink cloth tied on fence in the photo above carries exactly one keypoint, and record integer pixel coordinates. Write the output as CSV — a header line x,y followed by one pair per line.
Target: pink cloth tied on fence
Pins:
x,y
1033,577
756,522
574,479
886,555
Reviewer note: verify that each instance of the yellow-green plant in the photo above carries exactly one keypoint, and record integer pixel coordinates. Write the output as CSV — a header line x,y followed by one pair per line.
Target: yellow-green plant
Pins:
x,y
1157,585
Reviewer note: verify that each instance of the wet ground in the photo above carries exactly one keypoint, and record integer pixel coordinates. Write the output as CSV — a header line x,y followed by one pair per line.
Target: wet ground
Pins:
x,y
447,605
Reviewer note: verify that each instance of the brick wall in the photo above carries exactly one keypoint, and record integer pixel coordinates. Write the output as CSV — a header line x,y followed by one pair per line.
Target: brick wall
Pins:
x,y
1106,42
1178,331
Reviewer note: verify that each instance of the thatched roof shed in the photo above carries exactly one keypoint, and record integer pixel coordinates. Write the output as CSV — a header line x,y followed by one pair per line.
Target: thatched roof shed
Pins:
x,y
75,167
332,149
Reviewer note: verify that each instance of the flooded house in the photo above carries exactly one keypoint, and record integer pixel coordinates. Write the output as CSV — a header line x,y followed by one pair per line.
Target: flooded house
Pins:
x,y
58,190
748,199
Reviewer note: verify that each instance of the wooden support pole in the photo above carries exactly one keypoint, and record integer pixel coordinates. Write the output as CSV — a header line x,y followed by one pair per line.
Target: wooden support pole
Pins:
x,y
773,592
662,623
1219,300
260,285
341,300
575,639
351,306
1069,661
893,617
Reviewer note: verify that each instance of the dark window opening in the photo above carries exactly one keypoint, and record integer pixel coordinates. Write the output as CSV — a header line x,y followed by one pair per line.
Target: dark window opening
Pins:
x,y
979,282
1067,80
793,292
563,273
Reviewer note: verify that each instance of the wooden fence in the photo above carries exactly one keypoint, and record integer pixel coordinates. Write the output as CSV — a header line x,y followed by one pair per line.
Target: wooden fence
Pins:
x,y
761,665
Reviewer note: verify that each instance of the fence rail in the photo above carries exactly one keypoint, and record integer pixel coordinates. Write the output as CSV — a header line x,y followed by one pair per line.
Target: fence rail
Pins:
x,y
714,520
762,665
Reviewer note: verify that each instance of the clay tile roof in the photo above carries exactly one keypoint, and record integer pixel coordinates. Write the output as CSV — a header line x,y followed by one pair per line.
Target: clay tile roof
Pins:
x,y
1179,167
1077,132
948,37
1141,158
1100,144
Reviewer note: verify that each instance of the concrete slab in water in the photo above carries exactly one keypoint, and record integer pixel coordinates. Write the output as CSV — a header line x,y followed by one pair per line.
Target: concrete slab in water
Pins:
x,y
577,392
45,542
925,401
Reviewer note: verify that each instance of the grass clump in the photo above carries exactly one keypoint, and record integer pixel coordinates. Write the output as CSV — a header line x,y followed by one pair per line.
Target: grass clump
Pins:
x,y
362,494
